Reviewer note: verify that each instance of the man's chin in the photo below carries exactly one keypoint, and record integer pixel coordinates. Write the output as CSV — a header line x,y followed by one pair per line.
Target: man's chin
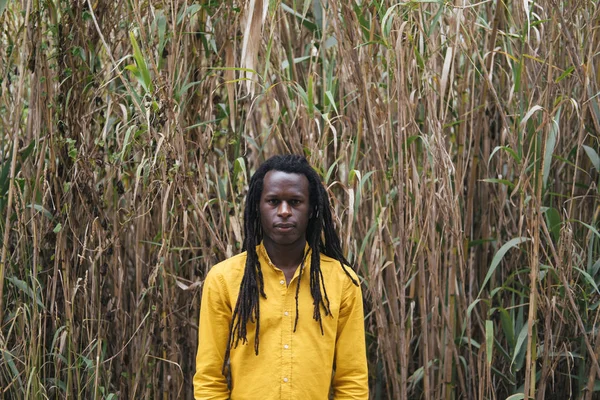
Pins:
x,y
284,240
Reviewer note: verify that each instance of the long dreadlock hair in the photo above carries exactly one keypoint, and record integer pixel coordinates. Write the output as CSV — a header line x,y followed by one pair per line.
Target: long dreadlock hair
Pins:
x,y
320,236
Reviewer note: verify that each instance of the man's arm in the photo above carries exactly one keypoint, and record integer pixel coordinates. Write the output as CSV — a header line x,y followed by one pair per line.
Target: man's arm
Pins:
x,y
215,316
351,376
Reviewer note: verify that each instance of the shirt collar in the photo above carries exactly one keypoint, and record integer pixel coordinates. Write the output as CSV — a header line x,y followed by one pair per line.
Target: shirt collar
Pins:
x,y
263,256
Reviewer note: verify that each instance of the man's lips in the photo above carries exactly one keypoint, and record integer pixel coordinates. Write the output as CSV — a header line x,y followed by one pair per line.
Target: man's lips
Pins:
x,y
284,226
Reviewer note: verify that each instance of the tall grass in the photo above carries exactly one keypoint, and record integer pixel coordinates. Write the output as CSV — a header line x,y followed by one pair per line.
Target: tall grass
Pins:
x,y
458,140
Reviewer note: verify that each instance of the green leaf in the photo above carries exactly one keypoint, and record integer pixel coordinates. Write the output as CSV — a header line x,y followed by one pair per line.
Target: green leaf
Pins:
x,y
126,141
41,209
16,375
186,87
591,228
5,167
517,396
550,146
465,340
311,26
22,286
161,27
519,345
531,111
86,361
593,155
472,305
146,81
489,340
311,105
302,93
57,228
510,151
507,327
72,149
589,279
554,222
190,11
593,269
499,256
28,150
212,121
317,10
240,166
594,103
568,72
386,21
4,172
331,100
134,69
3,4
359,192
502,181
330,171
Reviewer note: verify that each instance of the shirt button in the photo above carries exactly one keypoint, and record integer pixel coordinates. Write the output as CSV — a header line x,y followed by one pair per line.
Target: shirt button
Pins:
x,y
285,379
285,346
286,313
282,281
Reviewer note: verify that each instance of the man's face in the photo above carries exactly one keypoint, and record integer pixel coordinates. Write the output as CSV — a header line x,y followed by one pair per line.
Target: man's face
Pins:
x,y
284,207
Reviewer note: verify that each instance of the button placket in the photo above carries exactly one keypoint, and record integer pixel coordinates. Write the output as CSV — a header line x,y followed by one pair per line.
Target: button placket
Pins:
x,y
286,336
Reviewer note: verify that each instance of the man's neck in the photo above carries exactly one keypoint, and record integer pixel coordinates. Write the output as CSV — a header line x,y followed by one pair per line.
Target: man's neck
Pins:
x,y
285,257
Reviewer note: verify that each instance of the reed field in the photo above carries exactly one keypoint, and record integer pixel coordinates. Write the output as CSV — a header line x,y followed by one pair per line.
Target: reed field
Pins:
x,y
459,142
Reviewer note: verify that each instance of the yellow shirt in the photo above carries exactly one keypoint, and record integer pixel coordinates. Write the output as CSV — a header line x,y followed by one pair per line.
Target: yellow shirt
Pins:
x,y
289,365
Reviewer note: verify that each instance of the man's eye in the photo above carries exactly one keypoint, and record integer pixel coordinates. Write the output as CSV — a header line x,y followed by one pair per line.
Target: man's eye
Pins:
x,y
294,202
273,201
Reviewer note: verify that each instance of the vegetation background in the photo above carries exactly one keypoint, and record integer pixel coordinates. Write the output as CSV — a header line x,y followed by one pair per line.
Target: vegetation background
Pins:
x,y
458,140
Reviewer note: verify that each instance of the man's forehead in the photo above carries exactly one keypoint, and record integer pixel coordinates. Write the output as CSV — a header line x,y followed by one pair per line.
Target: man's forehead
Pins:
x,y
275,179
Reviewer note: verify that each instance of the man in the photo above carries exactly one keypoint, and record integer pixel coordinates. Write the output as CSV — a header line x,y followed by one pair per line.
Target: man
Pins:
x,y
284,319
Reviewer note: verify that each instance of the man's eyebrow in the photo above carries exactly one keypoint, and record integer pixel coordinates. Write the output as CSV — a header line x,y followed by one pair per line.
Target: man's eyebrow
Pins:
x,y
290,195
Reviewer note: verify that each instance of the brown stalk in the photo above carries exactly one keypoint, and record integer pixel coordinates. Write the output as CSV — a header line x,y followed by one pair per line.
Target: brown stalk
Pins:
x,y
536,220
547,322
399,251
255,17
13,165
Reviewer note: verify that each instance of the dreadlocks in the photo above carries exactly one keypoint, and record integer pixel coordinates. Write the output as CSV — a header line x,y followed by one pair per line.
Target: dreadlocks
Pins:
x,y
320,236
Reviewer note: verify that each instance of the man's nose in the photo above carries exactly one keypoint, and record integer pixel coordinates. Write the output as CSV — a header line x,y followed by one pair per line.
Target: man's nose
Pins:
x,y
284,209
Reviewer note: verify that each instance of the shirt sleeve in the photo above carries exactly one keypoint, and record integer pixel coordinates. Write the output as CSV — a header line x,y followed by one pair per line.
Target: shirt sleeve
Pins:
x,y
215,317
350,380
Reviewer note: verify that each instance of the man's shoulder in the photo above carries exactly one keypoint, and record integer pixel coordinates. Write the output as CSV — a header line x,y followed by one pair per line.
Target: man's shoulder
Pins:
x,y
335,266
231,267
